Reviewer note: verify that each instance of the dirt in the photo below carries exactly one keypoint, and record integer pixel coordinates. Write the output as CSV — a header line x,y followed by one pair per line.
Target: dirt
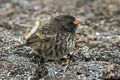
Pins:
x,y
97,55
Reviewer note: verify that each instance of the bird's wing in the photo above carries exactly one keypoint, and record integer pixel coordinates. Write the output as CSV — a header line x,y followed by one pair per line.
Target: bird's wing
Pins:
x,y
44,33
37,37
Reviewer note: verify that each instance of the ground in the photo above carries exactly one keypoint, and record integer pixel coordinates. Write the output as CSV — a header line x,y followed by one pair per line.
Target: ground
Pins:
x,y
98,40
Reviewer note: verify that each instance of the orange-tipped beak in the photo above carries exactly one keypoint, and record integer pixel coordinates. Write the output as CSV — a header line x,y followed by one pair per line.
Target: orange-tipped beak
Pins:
x,y
77,21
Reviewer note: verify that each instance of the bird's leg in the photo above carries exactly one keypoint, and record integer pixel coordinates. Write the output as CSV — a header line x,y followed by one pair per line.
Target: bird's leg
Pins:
x,y
69,61
66,62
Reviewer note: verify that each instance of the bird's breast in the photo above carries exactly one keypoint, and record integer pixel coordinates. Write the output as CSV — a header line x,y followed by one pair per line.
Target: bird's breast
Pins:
x,y
57,47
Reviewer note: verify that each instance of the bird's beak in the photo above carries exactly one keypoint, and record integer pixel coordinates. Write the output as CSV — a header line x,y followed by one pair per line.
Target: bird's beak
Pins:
x,y
77,21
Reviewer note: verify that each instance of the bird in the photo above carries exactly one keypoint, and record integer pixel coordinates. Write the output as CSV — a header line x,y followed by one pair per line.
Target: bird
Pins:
x,y
56,38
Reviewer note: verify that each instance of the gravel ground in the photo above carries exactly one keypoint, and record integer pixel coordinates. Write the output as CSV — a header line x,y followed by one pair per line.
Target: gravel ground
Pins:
x,y
98,40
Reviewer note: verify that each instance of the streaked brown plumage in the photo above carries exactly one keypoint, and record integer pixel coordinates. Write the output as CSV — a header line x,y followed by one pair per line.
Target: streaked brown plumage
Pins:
x,y
56,38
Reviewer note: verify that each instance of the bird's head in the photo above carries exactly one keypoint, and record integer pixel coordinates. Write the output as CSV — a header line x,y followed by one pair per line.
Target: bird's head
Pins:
x,y
66,23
